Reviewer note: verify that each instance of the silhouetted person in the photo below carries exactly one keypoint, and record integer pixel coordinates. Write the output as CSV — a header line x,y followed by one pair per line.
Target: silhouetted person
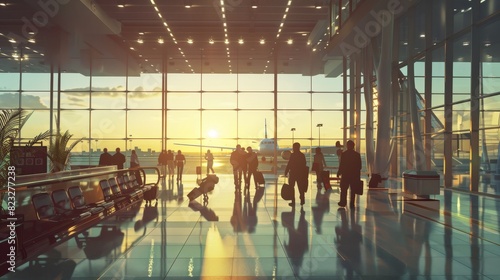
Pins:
x,y
210,161
242,158
118,159
235,162
180,160
105,158
298,172
252,165
319,163
350,173
162,161
134,160
171,163
339,149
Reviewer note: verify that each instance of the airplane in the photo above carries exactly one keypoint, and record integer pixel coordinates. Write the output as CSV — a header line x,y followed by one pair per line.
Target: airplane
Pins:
x,y
266,147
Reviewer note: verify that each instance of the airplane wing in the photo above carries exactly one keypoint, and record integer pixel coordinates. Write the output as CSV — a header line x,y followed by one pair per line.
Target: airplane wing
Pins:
x,y
206,146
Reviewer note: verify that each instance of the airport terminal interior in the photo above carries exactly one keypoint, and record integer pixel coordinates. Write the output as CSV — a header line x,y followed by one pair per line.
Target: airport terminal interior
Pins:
x,y
412,83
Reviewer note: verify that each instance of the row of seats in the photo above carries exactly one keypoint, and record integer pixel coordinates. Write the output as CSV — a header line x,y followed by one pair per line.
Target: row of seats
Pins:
x,y
63,209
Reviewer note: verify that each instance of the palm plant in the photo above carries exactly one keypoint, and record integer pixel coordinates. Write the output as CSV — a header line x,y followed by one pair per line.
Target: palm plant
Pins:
x,y
59,152
11,122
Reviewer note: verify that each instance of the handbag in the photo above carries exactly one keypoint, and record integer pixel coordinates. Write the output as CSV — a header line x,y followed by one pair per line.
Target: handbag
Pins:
x,y
287,192
358,188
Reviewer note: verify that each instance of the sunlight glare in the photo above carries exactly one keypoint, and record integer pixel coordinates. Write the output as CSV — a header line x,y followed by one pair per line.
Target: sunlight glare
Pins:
x,y
212,133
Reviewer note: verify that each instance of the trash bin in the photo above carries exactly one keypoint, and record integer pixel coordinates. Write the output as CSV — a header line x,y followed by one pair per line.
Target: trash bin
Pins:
x,y
421,183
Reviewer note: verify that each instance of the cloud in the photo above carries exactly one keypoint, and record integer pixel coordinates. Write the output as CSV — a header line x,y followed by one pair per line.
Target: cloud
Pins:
x,y
11,100
118,91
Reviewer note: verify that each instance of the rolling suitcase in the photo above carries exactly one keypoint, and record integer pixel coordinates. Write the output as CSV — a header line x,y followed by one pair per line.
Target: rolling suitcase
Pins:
x,y
151,194
259,178
195,193
325,177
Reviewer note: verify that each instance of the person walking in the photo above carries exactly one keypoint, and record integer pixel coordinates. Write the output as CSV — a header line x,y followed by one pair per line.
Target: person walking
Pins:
x,y
162,162
298,172
252,165
349,173
319,164
235,161
118,159
170,163
210,162
105,158
180,160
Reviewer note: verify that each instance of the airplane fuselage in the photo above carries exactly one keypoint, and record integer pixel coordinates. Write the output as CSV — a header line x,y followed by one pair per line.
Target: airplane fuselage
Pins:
x,y
266,147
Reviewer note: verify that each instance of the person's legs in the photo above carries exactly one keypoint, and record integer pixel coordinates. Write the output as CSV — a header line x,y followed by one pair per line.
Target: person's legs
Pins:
x,y
319,179
291,182
235,175
343,193
247,179
181,168
353,197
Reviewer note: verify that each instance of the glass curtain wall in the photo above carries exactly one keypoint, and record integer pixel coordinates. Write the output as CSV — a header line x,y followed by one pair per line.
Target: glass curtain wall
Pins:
x,y
443,57
149,111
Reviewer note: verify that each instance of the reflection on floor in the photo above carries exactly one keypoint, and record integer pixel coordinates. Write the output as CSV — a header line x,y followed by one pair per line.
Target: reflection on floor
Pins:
x,y
255,235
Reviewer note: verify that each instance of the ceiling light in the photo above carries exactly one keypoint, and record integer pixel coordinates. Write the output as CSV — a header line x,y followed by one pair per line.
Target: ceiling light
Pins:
x,y
211,41
190,41
140,41
262,41
121,6
240,41
255,4
188,4
141,33
31,40
226,42
319,4
465,43
290,41
160,41
3,4
487,44
422,35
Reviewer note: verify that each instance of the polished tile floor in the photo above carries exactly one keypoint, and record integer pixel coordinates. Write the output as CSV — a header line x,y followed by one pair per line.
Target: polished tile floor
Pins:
x,y
256,235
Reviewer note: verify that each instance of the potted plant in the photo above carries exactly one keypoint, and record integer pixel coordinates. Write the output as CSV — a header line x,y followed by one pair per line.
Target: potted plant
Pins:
x,y
60,151
11,123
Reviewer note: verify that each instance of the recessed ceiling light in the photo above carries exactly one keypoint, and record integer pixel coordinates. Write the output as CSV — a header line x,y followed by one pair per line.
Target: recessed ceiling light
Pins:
x,y
140,41
160,41
240,41
3,4
262,41
190,41
290,41
121,6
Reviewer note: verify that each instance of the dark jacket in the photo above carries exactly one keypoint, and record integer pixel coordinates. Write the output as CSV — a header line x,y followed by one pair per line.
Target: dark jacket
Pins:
x,y
105,159
119,160
297,166
350,165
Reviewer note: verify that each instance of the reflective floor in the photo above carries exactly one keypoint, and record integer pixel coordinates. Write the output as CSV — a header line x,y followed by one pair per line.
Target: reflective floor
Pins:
x,y
256,235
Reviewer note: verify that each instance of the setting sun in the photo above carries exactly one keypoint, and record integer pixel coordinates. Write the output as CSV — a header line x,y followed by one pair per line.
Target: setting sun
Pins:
x,y
212,133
